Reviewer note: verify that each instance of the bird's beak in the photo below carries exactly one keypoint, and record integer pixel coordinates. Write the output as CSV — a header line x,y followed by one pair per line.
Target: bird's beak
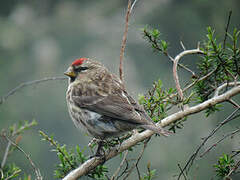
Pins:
x,y
70,73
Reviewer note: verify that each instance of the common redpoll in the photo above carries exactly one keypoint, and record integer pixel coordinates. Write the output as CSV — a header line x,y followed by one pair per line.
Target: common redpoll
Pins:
x,y
98,102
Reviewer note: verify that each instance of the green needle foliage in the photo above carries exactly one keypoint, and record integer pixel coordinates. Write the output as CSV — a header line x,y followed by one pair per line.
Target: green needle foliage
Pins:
x,y
157,101
221,61
153,37
71,159
224,165
219,64
11,170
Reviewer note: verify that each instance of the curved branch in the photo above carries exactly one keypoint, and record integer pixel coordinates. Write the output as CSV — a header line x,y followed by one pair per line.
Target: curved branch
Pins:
x,y
133,140
175,64
120,165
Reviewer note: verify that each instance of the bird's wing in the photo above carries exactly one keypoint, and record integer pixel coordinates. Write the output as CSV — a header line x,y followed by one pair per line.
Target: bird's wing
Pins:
x,y
117,105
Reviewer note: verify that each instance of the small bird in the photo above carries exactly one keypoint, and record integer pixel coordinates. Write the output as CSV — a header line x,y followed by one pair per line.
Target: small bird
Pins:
x,y
99,103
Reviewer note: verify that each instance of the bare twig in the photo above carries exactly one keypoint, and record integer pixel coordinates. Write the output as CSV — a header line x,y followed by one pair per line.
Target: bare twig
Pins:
x,y
120,166
181,170
191,85
193,157
133,140
175,64
28,83
124,171
219,141
182,45
133,5
36,170
5,154
234,103
124,40
137,161
226,29
198,80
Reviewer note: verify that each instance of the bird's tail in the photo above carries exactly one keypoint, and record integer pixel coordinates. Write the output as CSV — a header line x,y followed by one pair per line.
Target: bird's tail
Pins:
x,y
157,129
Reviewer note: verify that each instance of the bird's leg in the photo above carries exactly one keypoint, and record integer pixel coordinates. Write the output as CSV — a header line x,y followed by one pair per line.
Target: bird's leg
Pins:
x,y
100,151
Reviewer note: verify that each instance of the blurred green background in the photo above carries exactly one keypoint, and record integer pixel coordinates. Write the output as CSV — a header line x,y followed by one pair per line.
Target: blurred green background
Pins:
x,y
41,38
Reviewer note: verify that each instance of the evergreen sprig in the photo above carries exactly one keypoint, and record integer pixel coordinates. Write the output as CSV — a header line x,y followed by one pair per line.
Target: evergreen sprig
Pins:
x,y
71,159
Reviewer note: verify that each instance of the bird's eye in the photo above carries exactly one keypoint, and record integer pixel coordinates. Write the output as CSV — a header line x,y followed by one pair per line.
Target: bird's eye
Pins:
x,y
81,68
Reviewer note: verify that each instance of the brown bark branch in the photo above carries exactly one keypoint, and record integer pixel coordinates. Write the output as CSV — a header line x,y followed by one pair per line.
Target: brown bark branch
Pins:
x,y
124,40
175,64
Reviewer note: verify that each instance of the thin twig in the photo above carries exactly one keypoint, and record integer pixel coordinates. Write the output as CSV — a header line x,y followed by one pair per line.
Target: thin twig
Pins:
x,y
219,141
191,85
233,169
175,64
182,45
124,171
36,170
193,157
124,40
53,143
156,46
226,29
5,154
234,103
120,166
181,170
28,83
137,161
14,174
133,5
22,128
198,80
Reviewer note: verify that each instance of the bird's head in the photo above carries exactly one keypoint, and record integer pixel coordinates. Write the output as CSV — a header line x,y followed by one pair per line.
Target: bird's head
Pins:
x,y
81,68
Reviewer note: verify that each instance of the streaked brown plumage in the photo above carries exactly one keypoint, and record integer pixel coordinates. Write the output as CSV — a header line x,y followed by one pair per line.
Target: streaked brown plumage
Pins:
x,y
98,102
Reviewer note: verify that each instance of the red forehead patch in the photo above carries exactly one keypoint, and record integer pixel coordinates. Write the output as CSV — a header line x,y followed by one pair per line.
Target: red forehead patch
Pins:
x,y
78,62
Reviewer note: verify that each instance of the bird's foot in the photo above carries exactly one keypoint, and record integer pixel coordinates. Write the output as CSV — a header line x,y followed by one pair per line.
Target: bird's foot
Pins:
x,y
100,153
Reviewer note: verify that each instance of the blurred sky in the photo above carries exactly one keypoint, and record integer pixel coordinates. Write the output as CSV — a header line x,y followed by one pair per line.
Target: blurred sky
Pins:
x,y
41,38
